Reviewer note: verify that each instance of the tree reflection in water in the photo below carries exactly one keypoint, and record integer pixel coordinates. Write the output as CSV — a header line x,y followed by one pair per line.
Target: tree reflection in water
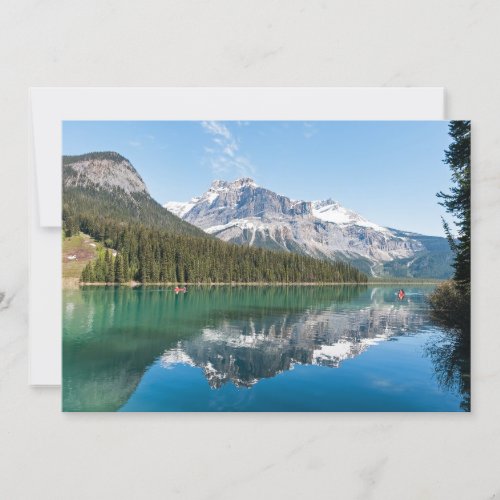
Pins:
x,y
450,355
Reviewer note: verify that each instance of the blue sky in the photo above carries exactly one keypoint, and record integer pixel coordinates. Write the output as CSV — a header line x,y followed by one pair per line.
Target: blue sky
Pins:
x,y
387,171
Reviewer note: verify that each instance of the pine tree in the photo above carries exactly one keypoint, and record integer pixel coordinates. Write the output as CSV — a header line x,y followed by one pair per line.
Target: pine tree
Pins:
x,y
119,270
91,273
109,272
457,202
100,268
85,273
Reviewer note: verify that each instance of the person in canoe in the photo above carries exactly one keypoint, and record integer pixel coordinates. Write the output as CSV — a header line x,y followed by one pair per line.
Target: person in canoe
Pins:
x,y
178,289
401,294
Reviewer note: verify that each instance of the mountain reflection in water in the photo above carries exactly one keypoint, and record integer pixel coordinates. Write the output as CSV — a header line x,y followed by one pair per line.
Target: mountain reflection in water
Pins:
x,y
116,339
250,348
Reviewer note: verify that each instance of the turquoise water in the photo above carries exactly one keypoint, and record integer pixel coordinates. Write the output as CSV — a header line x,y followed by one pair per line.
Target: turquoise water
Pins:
x,y
300,348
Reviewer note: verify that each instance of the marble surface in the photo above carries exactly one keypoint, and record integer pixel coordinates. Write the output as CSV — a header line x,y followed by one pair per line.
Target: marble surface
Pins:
x,y
45,454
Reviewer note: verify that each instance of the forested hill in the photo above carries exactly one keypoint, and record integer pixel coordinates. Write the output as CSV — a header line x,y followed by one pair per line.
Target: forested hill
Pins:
x,y
104,197
98,186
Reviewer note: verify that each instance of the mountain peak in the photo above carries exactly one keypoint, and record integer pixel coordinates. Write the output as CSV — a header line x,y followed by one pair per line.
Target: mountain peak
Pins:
x,y
327,202
220,185
244,181
95,155
103,169
332,211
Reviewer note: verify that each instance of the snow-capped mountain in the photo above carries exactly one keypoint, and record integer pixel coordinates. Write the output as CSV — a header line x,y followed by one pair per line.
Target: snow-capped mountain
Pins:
x,y
244,213
332,211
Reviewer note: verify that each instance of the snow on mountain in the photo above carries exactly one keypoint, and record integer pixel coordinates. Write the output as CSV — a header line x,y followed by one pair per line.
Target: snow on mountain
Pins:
x,y
275,344
217,189
245,213
179,208
332,211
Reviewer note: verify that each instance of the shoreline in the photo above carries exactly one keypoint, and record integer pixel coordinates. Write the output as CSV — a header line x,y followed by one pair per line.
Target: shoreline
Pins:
x,y
134,284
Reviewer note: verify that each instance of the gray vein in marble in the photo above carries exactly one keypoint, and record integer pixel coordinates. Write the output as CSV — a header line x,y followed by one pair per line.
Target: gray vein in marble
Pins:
x,y
5,301
370,476
271,465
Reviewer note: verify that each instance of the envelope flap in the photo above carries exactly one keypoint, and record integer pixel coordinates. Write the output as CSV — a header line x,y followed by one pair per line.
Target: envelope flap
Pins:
x,y
47,146
50,106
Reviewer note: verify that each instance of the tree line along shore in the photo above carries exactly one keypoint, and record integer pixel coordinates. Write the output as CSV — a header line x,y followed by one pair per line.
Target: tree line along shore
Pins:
x,y
152,256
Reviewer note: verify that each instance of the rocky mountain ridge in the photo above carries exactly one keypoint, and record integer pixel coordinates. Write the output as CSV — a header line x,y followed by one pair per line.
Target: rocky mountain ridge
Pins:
x,y
106,171
245,213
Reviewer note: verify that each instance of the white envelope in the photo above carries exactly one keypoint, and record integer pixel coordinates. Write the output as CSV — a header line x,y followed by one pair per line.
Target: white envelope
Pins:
x,y
51,106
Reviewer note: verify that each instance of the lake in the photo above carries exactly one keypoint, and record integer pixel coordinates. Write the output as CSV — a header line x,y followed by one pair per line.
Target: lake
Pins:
x,y
250,348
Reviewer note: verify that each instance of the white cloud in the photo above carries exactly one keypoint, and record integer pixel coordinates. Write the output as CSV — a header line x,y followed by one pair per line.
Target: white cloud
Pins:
x,y
224,157
230,149
216,128
135,144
